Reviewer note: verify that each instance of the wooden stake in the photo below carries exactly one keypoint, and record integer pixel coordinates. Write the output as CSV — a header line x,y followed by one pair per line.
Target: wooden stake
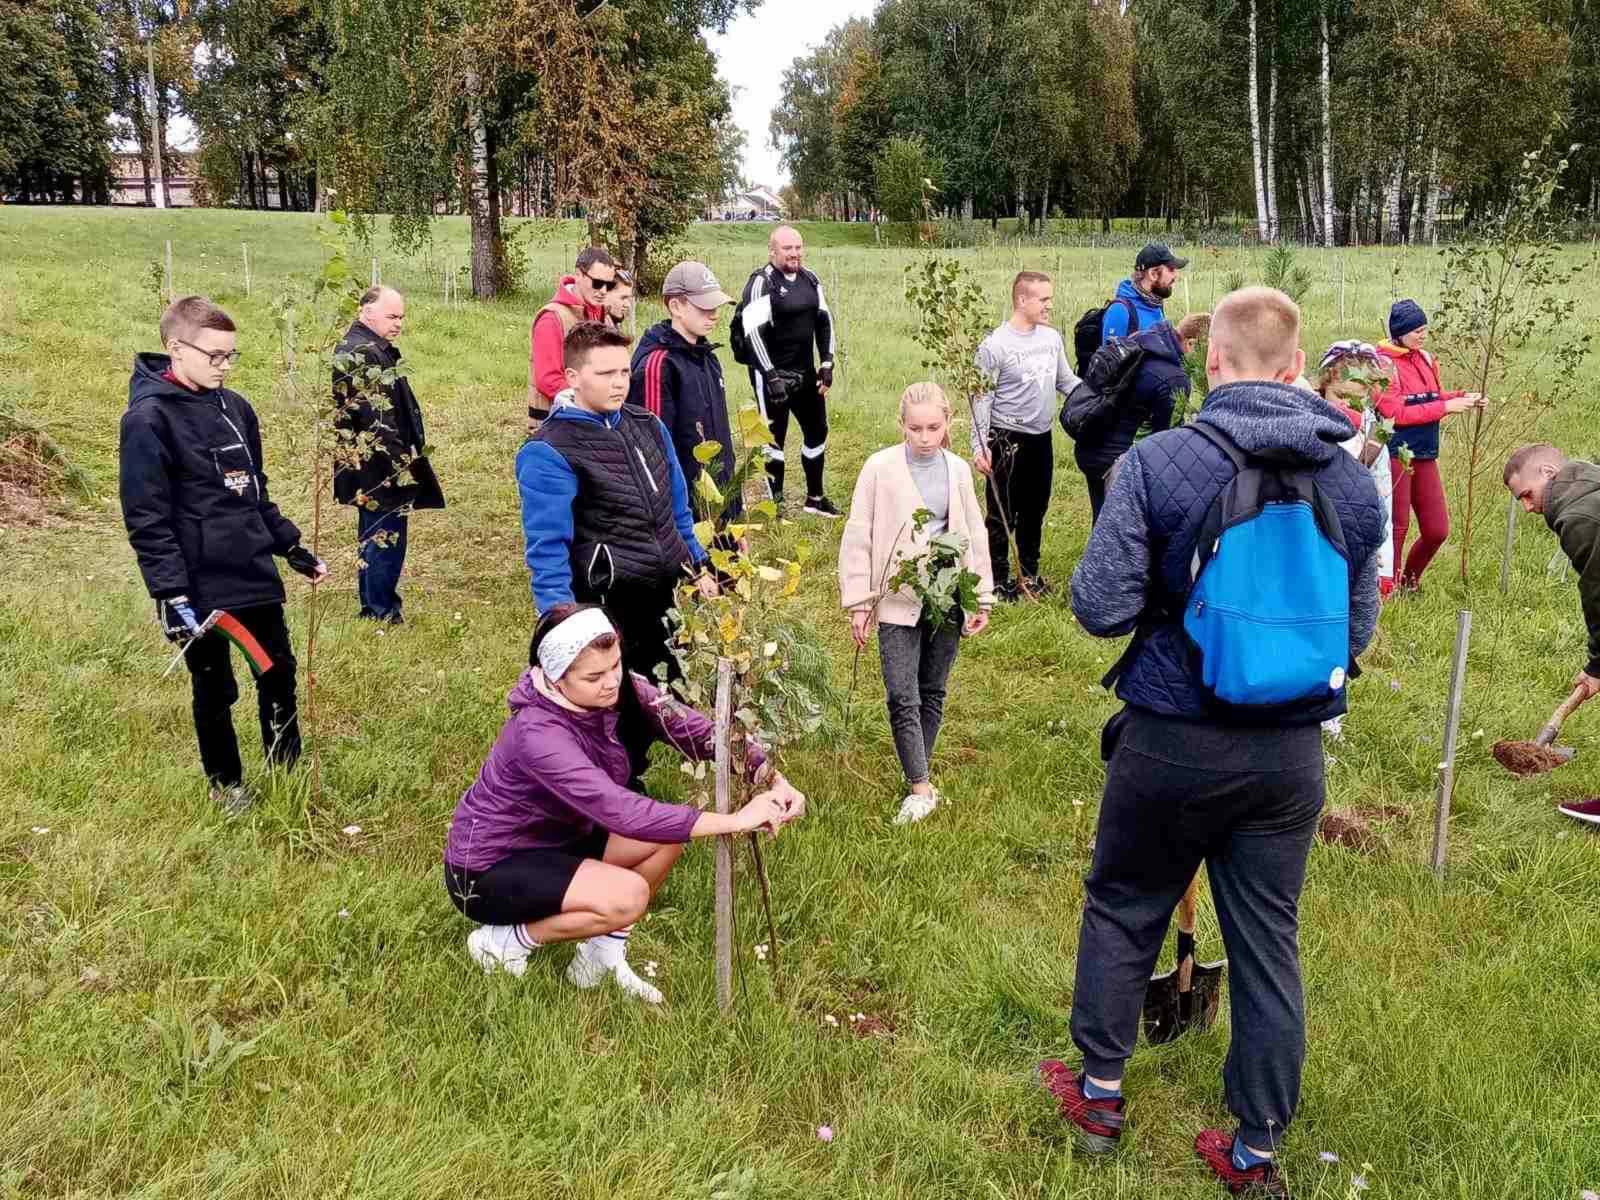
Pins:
x,y
1341,293
723,903
171,296
1511,537
244,247
1452,721
1187,307
838,339
376,278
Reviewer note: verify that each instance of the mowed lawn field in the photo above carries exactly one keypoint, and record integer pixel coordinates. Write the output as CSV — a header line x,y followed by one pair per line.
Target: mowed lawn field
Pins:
x,y
277,1006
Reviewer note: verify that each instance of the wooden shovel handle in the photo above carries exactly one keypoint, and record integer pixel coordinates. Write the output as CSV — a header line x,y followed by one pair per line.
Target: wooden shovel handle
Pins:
x,y
1568,707
1186,906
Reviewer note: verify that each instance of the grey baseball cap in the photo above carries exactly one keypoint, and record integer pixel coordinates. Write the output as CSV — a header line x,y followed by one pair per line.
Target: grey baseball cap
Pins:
x,y
696,284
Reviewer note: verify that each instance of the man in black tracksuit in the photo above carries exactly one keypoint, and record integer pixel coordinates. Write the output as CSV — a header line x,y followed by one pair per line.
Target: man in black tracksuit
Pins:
x,y
380,431
194,499
784,312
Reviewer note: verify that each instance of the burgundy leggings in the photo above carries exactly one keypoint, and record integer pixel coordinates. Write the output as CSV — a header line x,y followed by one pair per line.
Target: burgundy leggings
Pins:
x,y
1422,490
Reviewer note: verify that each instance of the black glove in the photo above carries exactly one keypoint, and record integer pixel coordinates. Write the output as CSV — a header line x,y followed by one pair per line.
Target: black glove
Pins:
x,y
304,562
177,618
777,387
825,375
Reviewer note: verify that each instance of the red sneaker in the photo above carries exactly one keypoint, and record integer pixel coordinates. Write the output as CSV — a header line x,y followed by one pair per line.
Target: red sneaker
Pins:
x,y
1098,1122
1583,810
1215,1147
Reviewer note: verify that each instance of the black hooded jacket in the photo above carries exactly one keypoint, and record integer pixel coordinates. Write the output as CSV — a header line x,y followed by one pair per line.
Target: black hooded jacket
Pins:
x,y
681,383
395,423
194,495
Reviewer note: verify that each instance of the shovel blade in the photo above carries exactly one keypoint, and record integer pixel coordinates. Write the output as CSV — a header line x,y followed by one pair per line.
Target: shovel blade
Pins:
x,y
1170,1013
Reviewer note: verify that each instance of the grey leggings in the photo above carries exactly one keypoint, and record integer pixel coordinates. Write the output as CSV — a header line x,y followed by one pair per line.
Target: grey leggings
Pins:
x,y
916,665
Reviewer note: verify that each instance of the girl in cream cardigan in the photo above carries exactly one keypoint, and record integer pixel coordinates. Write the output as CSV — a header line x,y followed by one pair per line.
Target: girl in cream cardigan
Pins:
x,y
917,653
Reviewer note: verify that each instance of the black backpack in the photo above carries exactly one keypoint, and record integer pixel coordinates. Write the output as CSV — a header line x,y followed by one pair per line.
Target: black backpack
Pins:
x,y
1107,382
738,339
1090,330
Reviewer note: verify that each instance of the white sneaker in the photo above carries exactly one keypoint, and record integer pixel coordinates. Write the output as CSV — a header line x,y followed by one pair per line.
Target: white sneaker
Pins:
x,y
915,807
587,972
495,947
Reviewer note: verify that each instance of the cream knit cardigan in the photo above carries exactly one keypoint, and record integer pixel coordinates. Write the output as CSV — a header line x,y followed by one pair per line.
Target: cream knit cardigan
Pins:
x,y
878,534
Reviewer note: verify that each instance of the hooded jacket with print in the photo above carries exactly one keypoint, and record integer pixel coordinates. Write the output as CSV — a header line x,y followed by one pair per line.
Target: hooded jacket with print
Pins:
x,y
194,494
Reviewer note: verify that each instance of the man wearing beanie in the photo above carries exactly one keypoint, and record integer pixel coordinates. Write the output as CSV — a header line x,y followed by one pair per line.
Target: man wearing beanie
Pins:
x,y
1417,403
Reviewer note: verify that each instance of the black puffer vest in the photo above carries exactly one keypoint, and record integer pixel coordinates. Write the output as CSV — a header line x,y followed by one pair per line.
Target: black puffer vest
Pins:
x,y
623,532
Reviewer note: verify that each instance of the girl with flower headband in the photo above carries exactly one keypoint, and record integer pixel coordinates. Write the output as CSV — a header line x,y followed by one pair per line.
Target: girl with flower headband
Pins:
x,y
554,841
1350,376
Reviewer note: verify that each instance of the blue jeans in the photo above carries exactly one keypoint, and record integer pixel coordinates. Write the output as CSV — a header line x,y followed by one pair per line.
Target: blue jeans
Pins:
x,y
382,540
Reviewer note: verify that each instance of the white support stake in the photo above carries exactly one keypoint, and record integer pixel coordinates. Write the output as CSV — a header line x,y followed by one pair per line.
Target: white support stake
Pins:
x,y
1452,721
244,248
1511,537
171,294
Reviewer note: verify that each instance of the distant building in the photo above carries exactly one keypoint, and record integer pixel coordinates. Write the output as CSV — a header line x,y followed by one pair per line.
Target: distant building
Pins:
x,y
756,203
127,179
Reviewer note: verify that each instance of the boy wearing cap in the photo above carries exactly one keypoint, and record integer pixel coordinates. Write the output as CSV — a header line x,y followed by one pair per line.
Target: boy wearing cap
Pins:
x,y
1139,302
676,375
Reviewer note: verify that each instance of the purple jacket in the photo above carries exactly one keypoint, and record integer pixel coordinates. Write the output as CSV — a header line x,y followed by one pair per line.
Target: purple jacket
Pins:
x,y
554,775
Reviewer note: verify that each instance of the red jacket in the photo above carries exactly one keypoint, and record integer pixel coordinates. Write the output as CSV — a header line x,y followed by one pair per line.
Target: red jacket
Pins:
x,y
1414,400
546,360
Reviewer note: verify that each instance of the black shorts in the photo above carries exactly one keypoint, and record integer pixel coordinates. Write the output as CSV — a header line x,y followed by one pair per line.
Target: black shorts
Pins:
x,y
528,885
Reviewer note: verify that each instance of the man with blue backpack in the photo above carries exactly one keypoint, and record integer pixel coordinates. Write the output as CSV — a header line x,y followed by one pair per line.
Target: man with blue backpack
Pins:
x,y
1240,550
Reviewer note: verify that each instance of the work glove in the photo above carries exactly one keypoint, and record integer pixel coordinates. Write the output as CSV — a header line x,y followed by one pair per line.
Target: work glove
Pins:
x,y
777,388
825,375
305,563
177,618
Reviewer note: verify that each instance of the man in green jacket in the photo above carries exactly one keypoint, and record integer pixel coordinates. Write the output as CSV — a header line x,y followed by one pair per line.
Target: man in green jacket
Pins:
x,y
1567,492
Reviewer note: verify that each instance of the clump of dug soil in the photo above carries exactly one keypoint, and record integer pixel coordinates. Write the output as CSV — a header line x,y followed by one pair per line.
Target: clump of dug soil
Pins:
x,y
1523,759
1345,827
34,474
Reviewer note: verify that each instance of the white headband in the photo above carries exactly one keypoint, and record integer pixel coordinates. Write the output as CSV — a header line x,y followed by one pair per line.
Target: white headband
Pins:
x,y
569,639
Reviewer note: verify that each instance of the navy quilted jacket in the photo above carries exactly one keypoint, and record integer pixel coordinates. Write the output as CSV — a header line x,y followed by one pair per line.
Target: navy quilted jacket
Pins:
x,y
1137,563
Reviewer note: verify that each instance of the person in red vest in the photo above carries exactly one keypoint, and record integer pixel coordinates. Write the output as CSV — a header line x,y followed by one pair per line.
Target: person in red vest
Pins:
x,y
580,296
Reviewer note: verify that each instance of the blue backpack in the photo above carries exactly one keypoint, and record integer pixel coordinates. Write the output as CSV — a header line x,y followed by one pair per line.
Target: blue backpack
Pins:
x,y
1267,614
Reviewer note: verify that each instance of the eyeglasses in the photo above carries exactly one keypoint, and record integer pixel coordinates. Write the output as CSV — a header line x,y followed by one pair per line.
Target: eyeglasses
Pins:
x,y
600,285
219,358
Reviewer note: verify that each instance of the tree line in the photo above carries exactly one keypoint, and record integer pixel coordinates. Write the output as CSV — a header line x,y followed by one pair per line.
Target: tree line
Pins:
x,y
610,109
1327,120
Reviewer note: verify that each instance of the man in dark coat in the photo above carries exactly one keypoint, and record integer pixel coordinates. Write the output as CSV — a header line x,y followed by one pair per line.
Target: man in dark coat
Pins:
x,y
1160,387
379,424
1567,493
194,500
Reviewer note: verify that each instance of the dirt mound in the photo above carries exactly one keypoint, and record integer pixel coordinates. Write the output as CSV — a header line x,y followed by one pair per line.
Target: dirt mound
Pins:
x,y
1345,827
1523,759
29,481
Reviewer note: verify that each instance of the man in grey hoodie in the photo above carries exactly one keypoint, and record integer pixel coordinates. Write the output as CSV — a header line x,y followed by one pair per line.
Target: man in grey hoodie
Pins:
x,y
1011,444
1188,781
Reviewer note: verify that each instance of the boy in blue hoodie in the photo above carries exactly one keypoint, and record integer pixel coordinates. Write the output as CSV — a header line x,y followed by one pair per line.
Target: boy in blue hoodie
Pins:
x,y
1189,780
605,508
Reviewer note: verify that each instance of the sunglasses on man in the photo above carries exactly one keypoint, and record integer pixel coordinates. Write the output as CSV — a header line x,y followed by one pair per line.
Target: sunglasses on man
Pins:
x,y
600,285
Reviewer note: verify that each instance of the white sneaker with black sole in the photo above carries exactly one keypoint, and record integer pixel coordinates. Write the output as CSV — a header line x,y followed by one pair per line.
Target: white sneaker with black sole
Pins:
x,y
821,506
496,948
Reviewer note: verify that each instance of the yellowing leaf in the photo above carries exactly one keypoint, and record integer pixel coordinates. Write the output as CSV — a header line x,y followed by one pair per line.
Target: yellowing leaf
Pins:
x,y
704,532
722,560
707,453
707,489
753,428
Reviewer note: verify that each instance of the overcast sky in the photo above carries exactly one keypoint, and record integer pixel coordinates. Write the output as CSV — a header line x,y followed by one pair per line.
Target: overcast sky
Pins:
x,y
752,56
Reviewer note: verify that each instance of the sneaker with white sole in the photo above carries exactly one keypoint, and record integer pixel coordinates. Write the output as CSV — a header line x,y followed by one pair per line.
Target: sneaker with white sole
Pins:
x,y
821,506
915,807
234,800
496,948
1587,811
587,971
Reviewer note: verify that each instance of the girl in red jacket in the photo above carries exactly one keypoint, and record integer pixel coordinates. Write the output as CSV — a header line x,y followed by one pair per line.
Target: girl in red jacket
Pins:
x,y
1417,404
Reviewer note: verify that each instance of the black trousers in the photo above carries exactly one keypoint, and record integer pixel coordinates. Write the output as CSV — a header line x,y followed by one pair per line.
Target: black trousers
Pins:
x,y
211,672
1244,801
1097,478
1018,492
810,410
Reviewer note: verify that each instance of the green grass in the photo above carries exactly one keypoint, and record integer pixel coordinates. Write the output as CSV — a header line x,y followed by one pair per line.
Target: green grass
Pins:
x,y
1452,1039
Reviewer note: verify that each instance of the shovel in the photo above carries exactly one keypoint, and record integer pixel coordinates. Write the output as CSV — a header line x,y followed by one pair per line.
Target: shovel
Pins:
x,y
1187,996
1538,756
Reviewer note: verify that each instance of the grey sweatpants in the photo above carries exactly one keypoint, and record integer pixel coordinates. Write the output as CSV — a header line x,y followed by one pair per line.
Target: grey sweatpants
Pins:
x,y
1244,801
916,667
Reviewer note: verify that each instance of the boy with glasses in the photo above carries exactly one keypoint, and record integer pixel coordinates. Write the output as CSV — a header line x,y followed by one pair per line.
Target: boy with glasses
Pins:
x,y
580,296
194,499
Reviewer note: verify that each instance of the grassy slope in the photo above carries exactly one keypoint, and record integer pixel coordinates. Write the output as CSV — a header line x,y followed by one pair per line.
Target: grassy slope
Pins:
x,y
1451,1029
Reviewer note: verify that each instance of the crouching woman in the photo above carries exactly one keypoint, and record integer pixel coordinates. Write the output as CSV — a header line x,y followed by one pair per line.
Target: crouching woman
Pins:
x,y
551,843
